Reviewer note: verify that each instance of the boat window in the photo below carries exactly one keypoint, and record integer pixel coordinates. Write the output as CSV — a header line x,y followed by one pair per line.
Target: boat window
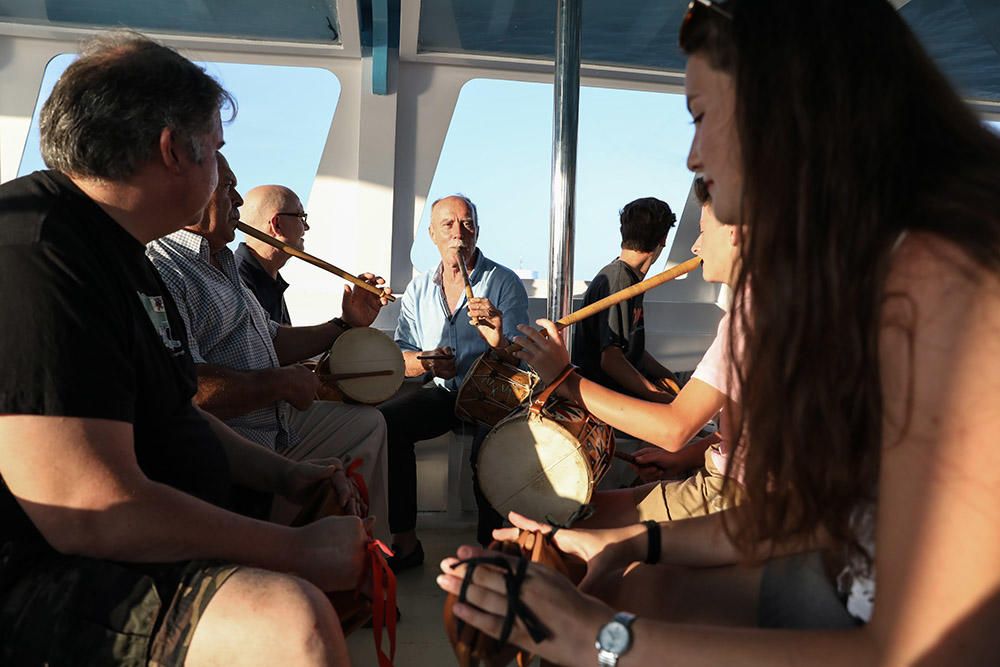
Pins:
x,y
498,152
278,135
636,33
312,21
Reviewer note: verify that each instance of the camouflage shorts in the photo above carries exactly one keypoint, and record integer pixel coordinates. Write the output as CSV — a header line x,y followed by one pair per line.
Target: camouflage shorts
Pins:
x,y
69,610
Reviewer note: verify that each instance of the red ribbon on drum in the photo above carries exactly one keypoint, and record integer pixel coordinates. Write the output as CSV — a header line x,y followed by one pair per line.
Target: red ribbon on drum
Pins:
x,y
383,600
354,608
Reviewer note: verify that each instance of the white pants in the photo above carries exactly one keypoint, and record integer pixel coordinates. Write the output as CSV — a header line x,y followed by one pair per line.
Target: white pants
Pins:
x,y
332,429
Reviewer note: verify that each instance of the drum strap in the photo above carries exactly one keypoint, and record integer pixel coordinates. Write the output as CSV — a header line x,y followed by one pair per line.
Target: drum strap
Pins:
x,y
513,578
383,601
353,474
543,398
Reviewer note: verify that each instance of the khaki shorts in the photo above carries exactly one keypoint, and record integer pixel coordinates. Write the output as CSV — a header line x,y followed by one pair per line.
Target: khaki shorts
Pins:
x,y
698,495
70,610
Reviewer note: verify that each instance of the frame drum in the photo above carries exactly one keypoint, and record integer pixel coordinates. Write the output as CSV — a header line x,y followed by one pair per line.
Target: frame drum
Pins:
x,y
362,350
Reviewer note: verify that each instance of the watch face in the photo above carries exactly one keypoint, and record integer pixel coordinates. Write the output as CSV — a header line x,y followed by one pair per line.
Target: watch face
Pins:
x,y
614,637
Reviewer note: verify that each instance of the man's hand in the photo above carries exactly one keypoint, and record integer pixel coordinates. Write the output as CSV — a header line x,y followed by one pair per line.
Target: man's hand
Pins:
x,y
301,480
331,552
300,386
360,307
654,463
441,362
487,320
547,355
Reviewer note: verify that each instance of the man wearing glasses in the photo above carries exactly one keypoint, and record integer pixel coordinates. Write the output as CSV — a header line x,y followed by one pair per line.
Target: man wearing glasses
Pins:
x,y
278,212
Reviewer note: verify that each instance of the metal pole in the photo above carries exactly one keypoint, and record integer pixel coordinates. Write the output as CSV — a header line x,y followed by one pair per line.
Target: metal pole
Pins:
x,y
566,107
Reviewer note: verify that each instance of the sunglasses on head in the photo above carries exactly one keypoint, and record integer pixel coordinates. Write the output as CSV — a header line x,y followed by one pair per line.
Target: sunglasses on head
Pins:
x,y
698,8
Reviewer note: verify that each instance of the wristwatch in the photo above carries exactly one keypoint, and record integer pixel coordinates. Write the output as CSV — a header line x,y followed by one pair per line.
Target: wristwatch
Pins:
x,y
614,639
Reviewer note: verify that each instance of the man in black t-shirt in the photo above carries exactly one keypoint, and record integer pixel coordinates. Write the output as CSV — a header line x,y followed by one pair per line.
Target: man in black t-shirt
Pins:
x,y
114,544
610,348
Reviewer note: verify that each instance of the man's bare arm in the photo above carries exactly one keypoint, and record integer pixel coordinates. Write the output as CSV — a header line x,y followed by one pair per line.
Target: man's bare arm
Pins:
x,y
295,344
80,484
228,393
251,464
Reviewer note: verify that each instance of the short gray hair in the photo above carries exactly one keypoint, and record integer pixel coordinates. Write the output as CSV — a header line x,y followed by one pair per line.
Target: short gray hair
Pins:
x,y
468,202
105,115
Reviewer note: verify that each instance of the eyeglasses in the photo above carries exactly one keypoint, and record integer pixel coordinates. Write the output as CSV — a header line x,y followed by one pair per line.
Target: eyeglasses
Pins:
x,y
301,216
693,11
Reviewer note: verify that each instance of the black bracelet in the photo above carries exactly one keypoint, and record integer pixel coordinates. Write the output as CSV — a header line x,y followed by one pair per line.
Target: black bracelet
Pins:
x,y
344,326
652,542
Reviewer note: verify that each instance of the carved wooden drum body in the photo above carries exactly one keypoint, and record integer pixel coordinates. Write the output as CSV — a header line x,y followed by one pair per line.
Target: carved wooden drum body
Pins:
x,y
493,389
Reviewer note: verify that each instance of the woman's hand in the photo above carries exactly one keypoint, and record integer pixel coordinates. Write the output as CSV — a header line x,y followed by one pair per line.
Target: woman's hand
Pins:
x,y
572,618
547,355
601,550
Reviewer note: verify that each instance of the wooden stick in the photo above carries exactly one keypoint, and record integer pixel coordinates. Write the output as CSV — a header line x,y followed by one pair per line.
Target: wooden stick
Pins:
x,y
434,357
315,261
351,376
483,322
622,295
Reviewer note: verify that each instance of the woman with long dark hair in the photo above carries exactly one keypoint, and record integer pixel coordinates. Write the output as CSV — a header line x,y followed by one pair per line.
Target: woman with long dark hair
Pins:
x,y
869,298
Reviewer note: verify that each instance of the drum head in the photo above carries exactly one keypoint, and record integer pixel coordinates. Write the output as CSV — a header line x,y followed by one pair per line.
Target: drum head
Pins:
x,y
362,350
534,467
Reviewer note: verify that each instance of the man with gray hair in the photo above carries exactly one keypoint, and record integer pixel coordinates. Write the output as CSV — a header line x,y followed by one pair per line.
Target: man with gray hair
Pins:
x,y
115,541
442,334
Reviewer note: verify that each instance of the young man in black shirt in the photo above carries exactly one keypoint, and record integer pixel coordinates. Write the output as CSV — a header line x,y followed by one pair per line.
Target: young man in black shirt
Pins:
x,y
610,348
114,544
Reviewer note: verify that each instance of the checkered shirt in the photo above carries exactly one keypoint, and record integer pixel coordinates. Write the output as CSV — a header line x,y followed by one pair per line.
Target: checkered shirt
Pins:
x,y
226,325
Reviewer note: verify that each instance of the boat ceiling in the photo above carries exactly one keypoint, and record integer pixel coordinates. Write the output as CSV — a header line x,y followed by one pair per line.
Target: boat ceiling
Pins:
x,y
963,36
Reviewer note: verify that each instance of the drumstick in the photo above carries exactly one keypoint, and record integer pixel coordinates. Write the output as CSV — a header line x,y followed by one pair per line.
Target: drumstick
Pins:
x,y
434,357
315,261
621,295
359,374
469,296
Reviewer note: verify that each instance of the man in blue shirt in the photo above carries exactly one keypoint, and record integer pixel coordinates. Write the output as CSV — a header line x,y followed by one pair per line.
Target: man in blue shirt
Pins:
x,y
436,320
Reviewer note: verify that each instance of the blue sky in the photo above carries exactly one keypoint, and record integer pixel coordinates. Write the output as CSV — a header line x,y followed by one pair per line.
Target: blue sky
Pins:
x,y
498,152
